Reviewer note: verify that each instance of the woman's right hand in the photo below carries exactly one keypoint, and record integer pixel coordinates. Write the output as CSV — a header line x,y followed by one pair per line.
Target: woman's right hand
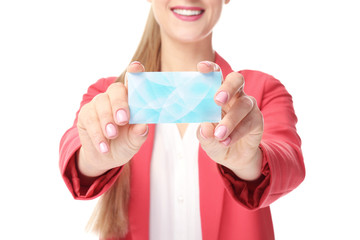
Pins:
x,y
107,138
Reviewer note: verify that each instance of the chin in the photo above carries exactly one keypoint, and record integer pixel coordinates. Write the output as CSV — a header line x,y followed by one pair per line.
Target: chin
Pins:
x,y
189,36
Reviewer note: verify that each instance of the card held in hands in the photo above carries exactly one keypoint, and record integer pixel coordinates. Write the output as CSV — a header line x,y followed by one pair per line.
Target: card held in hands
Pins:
x,y
173,97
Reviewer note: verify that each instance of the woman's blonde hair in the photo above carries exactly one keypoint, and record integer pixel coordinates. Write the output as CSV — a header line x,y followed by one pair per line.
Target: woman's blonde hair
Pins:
x,y
110,216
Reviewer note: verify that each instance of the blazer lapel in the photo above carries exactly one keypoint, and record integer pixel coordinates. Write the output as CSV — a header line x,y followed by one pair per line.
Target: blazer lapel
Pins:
x,y
139,206
212,188
211,196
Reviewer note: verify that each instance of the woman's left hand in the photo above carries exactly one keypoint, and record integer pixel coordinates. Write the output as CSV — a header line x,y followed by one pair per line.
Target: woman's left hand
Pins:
x,y
234,141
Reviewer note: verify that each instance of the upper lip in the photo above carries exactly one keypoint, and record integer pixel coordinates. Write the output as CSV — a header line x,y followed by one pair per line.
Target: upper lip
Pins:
x,y
188,8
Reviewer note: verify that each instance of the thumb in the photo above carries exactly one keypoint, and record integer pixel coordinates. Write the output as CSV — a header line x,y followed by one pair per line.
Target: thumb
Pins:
x,y
134,67
205,135
137,135
137,132
214,148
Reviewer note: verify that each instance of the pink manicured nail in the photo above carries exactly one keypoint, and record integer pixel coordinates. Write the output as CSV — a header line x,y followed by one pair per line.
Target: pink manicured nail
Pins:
x,y
227,141
121,116
110,130
103,147
222,97
220,132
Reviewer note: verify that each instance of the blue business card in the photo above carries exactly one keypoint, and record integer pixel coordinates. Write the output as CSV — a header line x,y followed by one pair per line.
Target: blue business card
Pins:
x,y
173,97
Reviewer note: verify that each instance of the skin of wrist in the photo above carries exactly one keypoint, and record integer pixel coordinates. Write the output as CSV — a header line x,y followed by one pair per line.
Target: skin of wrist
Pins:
x,y
85,169
252,170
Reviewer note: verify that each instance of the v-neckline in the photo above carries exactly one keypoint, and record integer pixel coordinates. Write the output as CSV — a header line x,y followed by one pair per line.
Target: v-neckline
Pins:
x,y
190,129
182,134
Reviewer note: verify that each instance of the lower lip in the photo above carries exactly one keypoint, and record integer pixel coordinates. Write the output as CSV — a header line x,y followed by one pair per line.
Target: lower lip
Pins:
x,y
188,18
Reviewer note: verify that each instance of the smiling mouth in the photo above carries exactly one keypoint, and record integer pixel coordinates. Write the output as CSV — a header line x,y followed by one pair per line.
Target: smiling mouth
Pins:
x,y
187,12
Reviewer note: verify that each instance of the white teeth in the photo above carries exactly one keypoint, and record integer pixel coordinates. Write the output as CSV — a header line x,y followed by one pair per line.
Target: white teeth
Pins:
x,y
186,12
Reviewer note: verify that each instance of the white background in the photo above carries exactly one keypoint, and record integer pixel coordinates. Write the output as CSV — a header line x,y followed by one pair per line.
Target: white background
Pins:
x,y
51,51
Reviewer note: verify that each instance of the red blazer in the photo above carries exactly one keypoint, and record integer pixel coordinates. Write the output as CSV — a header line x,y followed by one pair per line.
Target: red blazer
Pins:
x,y
230,208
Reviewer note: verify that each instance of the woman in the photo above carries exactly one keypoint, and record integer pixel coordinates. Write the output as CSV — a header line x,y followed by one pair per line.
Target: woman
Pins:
x,y
172,188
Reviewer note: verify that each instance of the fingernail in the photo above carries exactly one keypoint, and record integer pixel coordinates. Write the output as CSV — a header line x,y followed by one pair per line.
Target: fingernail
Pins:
x,y
220,132
146,132
110,130
201,134
207,63
103,147
135,62
227,141
121,116
222,97
251,103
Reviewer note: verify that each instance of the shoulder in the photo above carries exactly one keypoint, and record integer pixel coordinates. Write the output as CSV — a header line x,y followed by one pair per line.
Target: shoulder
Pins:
x,y
99,86
258,81
102,84
258,78
258,84
262,85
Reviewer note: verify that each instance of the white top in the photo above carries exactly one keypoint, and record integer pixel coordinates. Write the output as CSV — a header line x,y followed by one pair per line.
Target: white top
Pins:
x,y
174,184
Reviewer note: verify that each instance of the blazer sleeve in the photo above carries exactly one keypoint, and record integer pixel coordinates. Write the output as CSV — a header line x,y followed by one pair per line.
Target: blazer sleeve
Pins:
x,y
70,144
282,164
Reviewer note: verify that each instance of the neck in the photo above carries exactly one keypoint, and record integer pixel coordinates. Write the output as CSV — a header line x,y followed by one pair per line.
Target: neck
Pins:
x,y
180,56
